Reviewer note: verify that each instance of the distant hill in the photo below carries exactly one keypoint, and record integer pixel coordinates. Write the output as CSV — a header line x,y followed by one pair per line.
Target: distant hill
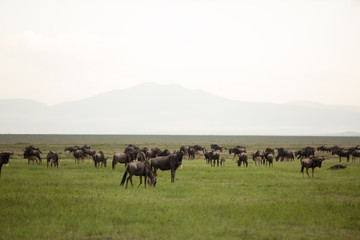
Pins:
x,y
172,109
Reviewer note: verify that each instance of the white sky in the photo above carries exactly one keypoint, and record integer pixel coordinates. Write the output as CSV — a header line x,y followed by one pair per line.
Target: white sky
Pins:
x,y
265,51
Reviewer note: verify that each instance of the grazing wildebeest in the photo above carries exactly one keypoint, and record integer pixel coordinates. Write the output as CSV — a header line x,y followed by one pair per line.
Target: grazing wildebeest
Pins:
x,y
139,168
53,158
170,162
312,163
99,158
242,159
211,157
4,159
78,154
269,159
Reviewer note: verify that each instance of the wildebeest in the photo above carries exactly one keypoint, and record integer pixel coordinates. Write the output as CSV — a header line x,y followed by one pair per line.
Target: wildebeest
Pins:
x,y
88,152
341,153
269,159
323,149
237,150
211,157
257,160
125,157
216,147
31,153
355,154
198,148
222,161
260,154
337,166
191,152
33,159
53,158
170,162
305,152
312,163
99,158
284,154
78,154
4,159
139,168
72,148
242,159
269,150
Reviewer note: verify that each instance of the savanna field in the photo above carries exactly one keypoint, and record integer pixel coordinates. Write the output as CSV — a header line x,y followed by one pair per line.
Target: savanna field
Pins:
x,y
78,201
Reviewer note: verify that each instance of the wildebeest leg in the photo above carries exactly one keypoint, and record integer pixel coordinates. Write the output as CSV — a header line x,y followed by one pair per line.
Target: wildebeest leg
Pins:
x,y
141,181
127,181
217,161
302,170
307,172
312,172
173,175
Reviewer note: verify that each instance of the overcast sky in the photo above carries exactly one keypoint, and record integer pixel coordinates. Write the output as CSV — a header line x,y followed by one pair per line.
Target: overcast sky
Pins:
x,y
274,51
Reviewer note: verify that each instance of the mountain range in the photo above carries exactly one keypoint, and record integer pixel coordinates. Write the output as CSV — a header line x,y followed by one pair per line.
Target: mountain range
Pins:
x,y
151,108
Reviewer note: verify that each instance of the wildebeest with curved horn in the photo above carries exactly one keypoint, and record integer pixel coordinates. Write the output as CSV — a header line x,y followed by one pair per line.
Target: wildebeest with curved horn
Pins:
x,y
312,163
139,168
4,159
53,158
170,162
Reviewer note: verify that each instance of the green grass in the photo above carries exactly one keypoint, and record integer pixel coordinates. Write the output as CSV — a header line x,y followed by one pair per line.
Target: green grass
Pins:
x,y
78,201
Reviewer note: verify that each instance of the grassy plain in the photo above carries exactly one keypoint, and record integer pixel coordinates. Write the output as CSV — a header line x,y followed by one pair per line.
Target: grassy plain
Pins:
x,y
78,201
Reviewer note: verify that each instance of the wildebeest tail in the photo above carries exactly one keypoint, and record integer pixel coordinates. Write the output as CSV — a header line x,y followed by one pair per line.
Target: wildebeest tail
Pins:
x,y
124,177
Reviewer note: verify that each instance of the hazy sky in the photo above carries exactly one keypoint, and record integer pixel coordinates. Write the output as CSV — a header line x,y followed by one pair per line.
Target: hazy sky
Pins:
x,y
266,51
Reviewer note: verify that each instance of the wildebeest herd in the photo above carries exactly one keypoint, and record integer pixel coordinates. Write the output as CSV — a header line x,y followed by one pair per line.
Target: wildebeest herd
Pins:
x,y
144,162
